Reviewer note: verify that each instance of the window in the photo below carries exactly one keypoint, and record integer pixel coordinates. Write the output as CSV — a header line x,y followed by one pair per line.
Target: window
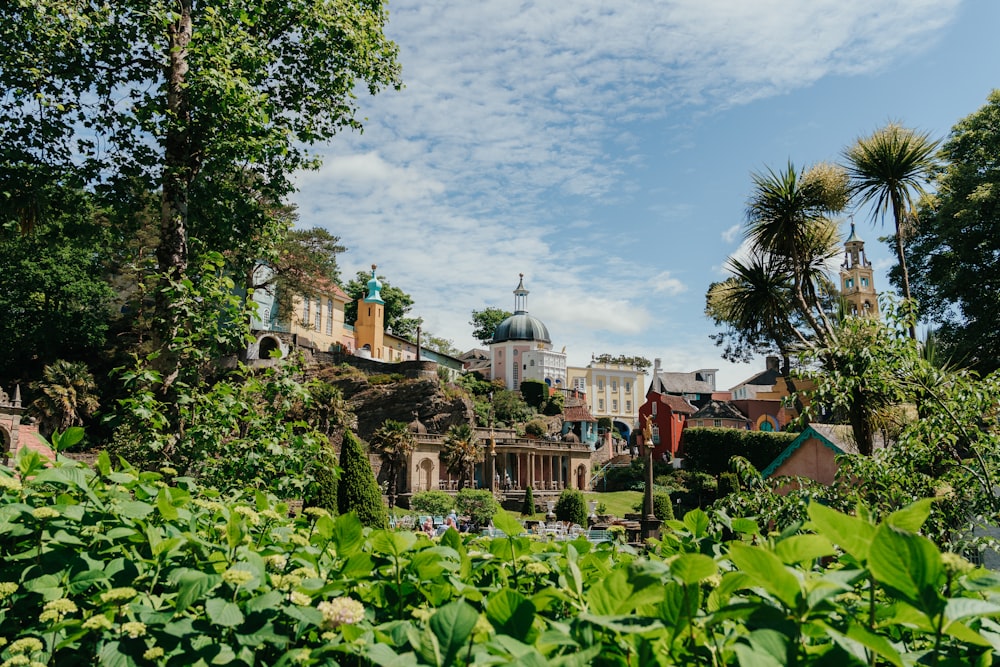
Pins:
x,y
614,406
864,282
849,283
329,317
516,369
654,408
600,404
600,385
614,385
717,423
628,387
579,383
701,423
306,302
319,313
531,363
515,352
628,406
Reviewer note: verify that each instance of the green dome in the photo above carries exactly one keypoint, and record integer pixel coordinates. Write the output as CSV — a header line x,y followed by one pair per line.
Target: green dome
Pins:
x,y
521,326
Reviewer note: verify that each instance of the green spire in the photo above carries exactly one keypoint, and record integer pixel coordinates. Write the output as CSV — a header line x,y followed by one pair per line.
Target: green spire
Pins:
x,y
374,289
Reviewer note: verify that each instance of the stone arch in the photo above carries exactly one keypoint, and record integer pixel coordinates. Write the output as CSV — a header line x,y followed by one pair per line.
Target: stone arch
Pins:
x,y
268,344
425,474
581,477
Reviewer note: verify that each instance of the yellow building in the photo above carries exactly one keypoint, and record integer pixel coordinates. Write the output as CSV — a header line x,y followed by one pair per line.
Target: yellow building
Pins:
x,y
611,390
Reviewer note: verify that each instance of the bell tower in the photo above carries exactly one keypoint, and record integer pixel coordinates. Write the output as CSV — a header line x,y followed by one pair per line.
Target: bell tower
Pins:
x,y
369,328
857,287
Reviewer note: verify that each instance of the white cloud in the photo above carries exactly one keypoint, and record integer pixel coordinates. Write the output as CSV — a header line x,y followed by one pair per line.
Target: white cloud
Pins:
x,y
515,121
730,234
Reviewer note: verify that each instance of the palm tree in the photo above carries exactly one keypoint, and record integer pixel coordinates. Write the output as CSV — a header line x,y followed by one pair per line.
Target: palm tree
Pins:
x,y
888,168
394,442
461,453
65,396
788,223
328,408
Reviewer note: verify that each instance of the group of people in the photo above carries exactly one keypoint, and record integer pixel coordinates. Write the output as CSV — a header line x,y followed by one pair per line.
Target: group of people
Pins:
x,y
451,521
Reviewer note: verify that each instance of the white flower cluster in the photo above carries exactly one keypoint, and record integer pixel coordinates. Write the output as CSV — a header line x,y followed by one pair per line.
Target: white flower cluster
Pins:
x,y
341,611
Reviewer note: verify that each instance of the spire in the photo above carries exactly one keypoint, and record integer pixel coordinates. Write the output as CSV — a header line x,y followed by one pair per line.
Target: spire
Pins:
x,y
17,396
374,289
853,238
520,296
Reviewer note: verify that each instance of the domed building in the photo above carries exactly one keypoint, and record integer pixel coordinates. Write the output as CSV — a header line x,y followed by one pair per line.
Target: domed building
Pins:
x,y
521,348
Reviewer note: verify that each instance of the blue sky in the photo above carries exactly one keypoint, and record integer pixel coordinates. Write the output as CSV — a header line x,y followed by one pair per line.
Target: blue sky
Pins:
x,y
605,149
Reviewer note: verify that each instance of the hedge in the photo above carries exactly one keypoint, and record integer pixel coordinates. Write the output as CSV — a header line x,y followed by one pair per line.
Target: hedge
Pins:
x,y
708,450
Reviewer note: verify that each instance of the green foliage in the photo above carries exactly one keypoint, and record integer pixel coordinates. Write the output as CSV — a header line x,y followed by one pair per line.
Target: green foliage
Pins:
x,y
663,507
605,424
461,453
554,405
114,566
509,408
571,507
385,378
535,427
65,396
478,504
639,363
729,482
535,393
394,443
485,322
709,449
357,491
322,492
955,242
397,305
435,503
529,502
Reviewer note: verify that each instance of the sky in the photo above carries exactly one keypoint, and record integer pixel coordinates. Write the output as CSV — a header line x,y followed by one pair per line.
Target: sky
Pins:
x,y
604,150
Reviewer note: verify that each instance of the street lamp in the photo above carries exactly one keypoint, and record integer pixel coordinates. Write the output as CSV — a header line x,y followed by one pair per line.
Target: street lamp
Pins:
x,y
650,524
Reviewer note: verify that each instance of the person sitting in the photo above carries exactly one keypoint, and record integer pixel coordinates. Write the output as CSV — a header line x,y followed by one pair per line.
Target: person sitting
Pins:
x,y
428,527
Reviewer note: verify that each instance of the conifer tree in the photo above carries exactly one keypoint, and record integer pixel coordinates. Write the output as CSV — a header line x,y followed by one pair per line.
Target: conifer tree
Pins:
x,y
357,490
529,503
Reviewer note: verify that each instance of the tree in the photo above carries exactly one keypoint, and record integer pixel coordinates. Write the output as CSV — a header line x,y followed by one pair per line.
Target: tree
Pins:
x,y
639,363
304,263
954,254
54,289
439,344
478,504
393,442
357,490
485,322
887,168
397,304
65,396
461,453
529,503
213,106
571,507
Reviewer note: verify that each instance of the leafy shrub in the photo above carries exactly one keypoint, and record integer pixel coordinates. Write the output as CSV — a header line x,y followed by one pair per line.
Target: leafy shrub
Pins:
x,y
535,393
358,491
708,450
728,483
554,405
385,378
435,503
571,507
663,507
323,492
479,504
529,502
535,427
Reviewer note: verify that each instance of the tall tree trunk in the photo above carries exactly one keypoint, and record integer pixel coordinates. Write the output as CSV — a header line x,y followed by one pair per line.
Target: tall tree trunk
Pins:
x,y
897,214
861,424
172,251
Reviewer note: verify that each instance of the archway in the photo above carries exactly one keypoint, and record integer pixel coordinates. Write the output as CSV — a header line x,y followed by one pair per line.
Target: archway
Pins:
x,y
267,346
425,475
581,477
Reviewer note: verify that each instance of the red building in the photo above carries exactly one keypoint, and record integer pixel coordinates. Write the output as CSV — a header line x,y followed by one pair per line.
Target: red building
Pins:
x,y
668,414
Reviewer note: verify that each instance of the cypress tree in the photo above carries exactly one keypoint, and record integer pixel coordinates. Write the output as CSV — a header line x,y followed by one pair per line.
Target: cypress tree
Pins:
x,y
323,491
529,503
358,491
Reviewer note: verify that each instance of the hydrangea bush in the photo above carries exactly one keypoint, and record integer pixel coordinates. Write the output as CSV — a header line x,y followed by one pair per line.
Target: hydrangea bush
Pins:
x,y
119,567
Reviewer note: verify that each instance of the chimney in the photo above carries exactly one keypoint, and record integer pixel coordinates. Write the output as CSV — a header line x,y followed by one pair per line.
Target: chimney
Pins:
x,y
773,364
656,365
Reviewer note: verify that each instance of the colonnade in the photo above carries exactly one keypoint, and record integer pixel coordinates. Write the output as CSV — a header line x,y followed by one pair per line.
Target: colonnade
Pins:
x,y
534,469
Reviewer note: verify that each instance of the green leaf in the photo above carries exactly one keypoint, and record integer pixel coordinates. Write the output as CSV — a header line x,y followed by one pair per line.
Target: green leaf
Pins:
x,y
103,463
234,531
909,565
508,523
395,543
959,608
692,568
851,534
511,613
801,548
911,517
348,535
192,586
167,509
697,522
452,624
134,509
224,613
768,572
875,643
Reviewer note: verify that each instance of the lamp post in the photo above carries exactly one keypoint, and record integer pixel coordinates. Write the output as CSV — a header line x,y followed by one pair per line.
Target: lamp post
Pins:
x,y
650,524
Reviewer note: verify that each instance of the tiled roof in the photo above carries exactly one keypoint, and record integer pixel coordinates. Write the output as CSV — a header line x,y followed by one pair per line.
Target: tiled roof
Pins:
x,y
678,404
765,378
680,383
577,413
719,410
